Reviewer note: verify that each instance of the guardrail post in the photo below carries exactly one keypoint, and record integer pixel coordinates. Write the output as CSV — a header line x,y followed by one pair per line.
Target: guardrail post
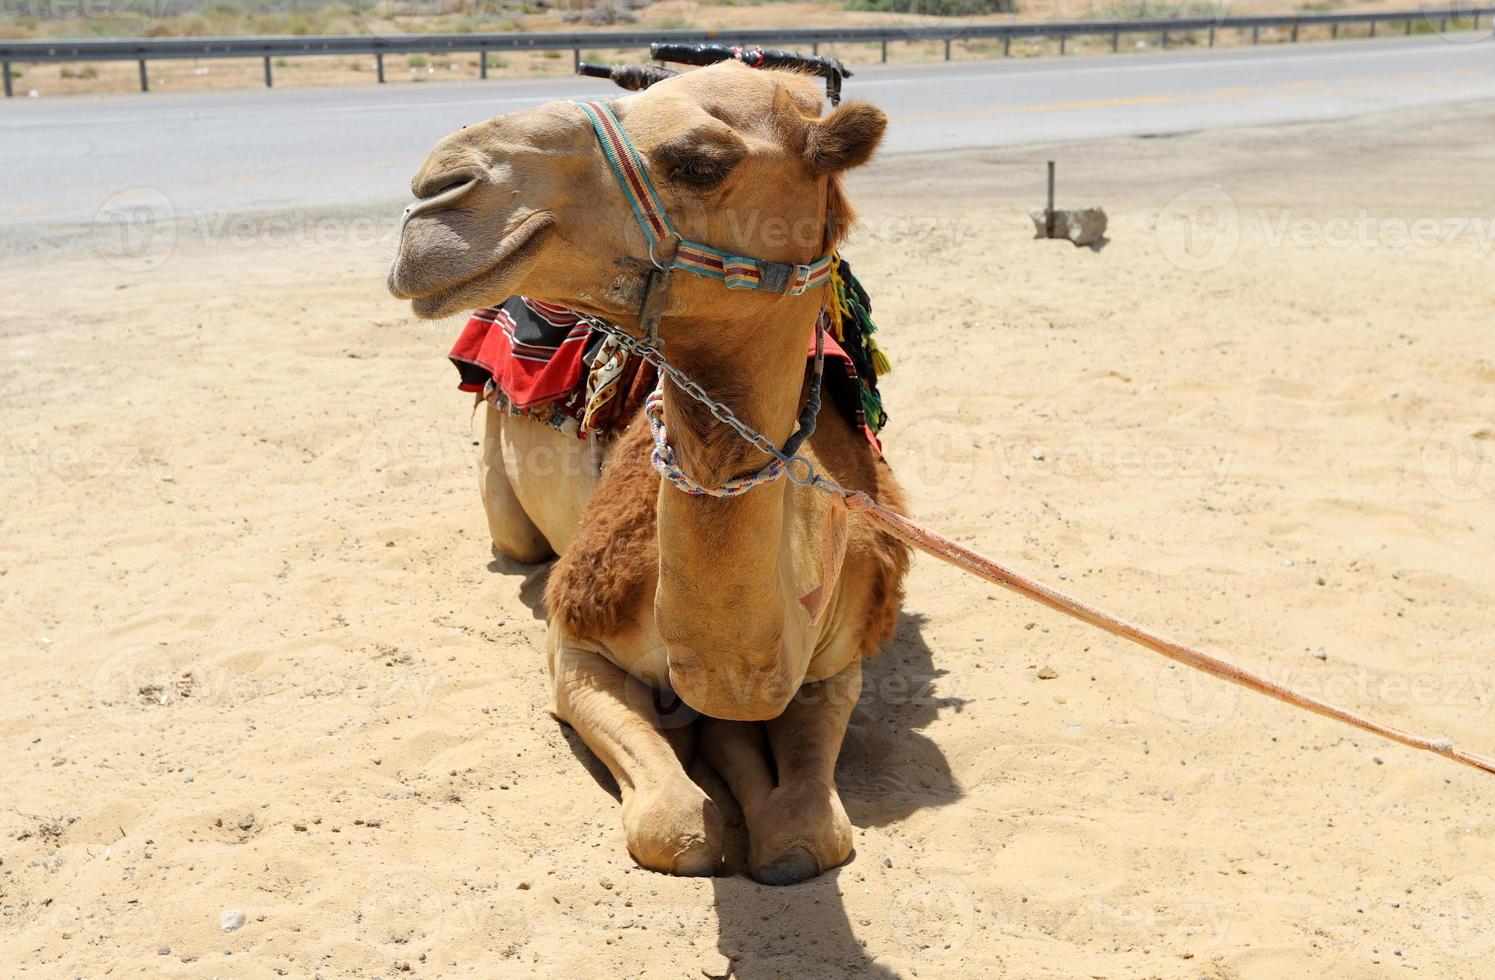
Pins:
x,y
1165,39
1063,39
1212,35
1442,25
947,49
1115,40
814,47
268,82
1255,34
482,64
884,50
1006,45
145,78
5,69
1334,34
575,60
1372,28
1409,26
1295,32
379,65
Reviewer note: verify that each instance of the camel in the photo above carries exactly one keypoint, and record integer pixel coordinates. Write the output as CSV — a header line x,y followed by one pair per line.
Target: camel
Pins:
x,y
755,611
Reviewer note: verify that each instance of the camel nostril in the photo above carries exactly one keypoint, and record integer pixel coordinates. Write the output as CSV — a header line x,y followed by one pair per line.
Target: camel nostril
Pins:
x,y
443,184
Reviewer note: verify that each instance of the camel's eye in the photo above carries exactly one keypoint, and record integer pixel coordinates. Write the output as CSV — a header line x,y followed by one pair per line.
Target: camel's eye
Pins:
x,y
701,171
700,160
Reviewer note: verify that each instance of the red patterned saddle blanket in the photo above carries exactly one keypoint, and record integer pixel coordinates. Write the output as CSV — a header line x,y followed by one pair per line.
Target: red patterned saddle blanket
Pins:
x,y
542,361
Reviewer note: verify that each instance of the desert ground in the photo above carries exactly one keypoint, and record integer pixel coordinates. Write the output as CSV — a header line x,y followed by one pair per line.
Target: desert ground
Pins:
x,y
259,659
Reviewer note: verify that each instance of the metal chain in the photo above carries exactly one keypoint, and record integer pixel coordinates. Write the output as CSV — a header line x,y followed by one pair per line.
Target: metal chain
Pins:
x,y
797,467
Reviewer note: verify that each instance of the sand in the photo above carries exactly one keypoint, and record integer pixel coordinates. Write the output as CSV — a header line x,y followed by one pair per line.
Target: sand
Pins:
x,y
257,656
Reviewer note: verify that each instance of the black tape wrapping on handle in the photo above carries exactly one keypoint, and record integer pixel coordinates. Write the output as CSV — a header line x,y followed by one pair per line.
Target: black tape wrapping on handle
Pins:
x,y
634,78
710,54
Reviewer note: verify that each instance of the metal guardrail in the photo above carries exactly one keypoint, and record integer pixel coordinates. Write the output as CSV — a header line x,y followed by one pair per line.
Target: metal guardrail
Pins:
x,y
143,50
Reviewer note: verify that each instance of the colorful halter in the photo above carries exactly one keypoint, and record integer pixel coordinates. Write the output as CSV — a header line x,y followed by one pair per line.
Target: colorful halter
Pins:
x,y
736,271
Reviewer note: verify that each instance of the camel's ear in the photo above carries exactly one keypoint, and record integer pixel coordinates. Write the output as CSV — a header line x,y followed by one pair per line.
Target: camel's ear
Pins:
x,y
846,138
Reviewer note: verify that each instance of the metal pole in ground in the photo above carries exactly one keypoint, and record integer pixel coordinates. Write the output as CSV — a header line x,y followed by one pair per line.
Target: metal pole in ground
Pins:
x,y
947,50
1062,39
379,64
1048,212
1165,39
1006,45
575,60
1295,32
5,70
145,78
1212,35
1372,28
268,81
482,64
1255,34
1334,34
884,50
1409,26
1115,40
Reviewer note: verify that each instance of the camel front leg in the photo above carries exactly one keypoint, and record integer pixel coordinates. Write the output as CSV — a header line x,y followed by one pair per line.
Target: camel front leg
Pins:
x,y
671,825
514,534
797,827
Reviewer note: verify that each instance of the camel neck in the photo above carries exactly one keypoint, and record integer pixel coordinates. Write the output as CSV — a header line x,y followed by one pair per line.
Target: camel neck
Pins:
x,y
720,590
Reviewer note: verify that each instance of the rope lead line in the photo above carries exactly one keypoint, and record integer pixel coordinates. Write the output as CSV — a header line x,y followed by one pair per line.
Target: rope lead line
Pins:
x,y
982,567
963,558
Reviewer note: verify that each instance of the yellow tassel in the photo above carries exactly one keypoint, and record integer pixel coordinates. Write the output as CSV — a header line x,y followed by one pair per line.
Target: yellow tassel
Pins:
x,y
880,362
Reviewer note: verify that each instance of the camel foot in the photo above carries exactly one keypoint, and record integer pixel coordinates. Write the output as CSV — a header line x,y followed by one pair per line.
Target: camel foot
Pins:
x,y
798,836
674,829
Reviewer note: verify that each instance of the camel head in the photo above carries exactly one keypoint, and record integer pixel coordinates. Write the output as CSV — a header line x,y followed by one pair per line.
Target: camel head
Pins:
x,y
526,202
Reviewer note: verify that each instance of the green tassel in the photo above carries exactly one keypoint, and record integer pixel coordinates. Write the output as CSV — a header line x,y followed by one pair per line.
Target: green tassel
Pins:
x,y
857,328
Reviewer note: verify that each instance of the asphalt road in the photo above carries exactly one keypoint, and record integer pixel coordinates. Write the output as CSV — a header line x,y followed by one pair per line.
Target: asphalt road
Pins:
x,y
326,150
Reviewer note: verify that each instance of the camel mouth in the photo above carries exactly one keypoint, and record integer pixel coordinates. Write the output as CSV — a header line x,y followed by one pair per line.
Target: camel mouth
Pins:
x,y
489,284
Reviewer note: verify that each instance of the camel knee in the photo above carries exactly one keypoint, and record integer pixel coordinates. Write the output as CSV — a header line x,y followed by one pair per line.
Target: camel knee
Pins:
x,y
673,827
805,833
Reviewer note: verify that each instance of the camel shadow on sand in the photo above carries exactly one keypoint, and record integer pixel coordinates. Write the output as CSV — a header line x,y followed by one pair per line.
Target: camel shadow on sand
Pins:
x,y
887,771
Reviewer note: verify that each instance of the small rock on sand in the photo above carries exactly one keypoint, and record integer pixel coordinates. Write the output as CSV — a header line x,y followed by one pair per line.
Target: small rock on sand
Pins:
x,y
1047,673
716,966
231,919
1083,226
